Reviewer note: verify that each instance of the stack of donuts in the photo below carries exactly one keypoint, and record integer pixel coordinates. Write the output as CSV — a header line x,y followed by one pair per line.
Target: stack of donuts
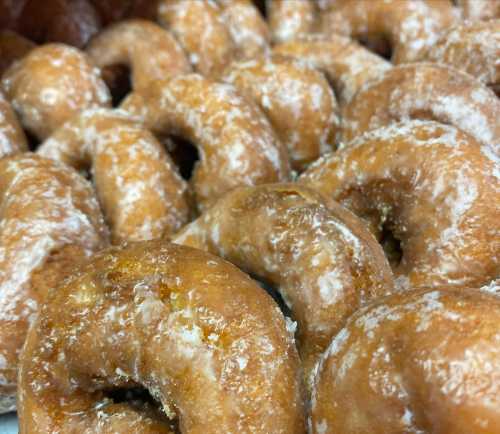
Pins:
x,y
228,216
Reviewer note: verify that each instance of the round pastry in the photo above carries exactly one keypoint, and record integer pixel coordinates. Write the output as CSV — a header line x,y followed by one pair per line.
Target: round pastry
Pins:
x,y
12,138
204,339
297,100
479,9
200,29
425,361
472,47
409,27
347,65
430,186
12,47
139,189
50,220
246,26
236,144
290,19
148,50
425,91
51,84
320,257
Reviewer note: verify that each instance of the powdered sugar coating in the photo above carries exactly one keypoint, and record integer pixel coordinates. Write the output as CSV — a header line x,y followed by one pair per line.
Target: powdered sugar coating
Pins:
x,y
188,326
479,9
424,361
50,85
140,190
50,216
12,138
290,19
236,144
434,186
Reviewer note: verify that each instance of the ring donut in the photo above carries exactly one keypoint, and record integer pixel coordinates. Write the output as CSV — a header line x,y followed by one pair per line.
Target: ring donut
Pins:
x,y
188,326
50,220
236,144
409,27
50,85
12,137
472,47
298,101
290,19
425,91
12,47
434,187
320,257
140,191
148,50
421,361
347,65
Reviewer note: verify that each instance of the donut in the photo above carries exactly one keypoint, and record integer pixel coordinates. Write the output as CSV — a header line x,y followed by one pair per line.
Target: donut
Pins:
x,y
140,191
425,91
204,339
50,220
148,50
479,9
347,65
320,257
12,47
425,361
235,141
9,13
247,28
12,138
433,187
298,101
201,31
71,22
115,10
409,27
51,84
290,19
472,47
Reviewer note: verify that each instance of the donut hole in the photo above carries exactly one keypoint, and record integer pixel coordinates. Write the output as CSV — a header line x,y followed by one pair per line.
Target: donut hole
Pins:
x,y
118,80
378,44
183,153
391,244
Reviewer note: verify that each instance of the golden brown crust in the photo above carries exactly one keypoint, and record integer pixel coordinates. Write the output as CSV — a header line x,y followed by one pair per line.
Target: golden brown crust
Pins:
x,y
422,361
51,84
298,101
321,258
50,219
140,190
188,326
479,9
235,141
290,19
12,137
434,187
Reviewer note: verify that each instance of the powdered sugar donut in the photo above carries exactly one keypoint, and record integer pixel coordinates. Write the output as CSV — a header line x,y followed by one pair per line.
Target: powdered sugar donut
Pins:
x,y
140,191
148,50
479,9
289,19
50,221
207,342
12,138
434,187
428,91
236,144
320,257
50,85
298,101
423,361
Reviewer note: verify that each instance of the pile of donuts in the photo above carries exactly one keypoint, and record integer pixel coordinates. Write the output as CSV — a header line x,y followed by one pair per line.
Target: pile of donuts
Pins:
x,y
226,216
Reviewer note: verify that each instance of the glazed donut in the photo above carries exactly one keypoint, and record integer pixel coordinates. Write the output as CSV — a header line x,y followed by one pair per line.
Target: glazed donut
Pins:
x,y
409,27
434,187
236,144
12,138
347,65
12,48
71,22
320,257
472,47
425,91
148,50
425,361
50,220
51,84
290,19
247,28
198,26
207,342
298,101
479,9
